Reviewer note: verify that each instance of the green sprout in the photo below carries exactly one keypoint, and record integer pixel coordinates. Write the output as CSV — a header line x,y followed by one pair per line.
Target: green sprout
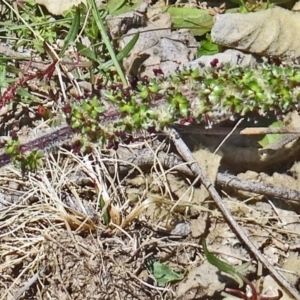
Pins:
x,y
162,273
233,272
29,162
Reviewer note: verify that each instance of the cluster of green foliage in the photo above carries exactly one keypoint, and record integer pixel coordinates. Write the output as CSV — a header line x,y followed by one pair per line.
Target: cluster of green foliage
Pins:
x,y
151,103
29,21
26,162
162,101
262,89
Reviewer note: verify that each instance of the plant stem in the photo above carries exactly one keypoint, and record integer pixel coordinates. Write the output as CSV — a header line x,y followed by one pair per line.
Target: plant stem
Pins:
x,y
106,41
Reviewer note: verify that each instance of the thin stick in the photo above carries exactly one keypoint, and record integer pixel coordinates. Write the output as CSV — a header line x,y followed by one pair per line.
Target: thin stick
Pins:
x,y
261,188
187,155
29,283
229,134
196,129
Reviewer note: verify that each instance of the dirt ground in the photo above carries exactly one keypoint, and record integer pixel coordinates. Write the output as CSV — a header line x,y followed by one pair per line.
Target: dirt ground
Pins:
x,y
97,226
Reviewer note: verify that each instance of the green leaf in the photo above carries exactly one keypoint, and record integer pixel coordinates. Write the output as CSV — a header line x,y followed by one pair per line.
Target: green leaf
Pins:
x,y
94,102
105,214
72,33
32,162
269,139
199,21
136,119
93,114
144,94
183,109
162,273
86,106
88,53
254,86
3,77
207,47
104,66
114,5
106,40
117,7
224,267
124,52
38,45
153,87
92,30
26,96
127,108
12,147
77,114
296,77
76,124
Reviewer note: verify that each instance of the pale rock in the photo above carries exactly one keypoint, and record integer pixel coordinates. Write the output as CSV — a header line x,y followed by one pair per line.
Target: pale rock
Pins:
x,y
230,56
272,32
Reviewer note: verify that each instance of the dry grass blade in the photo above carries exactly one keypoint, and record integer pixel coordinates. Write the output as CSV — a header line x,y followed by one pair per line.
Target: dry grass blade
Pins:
x,y
24,225
55,225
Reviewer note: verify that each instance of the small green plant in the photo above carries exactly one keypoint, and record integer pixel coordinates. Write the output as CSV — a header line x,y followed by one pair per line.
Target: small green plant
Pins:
x,y
208,47
234,272
85,117
156,103
162,273
41,25
29,162
105,213
99,21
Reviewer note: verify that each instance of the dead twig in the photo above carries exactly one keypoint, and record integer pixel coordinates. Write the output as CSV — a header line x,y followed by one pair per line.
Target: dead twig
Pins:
x,y
227,180
217,130
143,158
